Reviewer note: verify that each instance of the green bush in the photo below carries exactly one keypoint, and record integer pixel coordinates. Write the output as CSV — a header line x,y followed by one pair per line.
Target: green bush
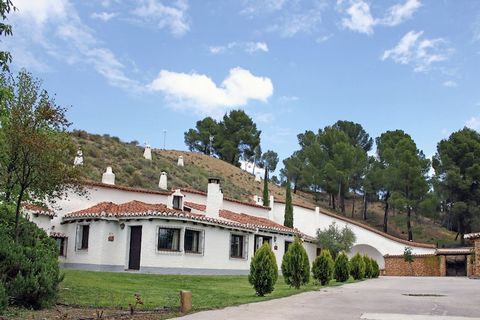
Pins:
x,y
357,267
295,265
263,270
322,268
29,268
341,269
368,266
3,297
375,269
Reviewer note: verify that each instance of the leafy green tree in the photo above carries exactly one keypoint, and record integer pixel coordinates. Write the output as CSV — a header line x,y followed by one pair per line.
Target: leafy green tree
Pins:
x,y
357,267
5,30
322,267
263,270
336,240
457,171
237,138
270,161
36,151
341,271
295,265
403,172
201,138
288,217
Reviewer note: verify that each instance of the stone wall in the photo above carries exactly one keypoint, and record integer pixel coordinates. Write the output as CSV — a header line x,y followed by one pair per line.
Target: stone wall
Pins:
x,y
476,263
422,265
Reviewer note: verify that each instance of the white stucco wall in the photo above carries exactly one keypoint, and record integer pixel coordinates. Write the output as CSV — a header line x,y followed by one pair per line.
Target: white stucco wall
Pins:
x,y
42,221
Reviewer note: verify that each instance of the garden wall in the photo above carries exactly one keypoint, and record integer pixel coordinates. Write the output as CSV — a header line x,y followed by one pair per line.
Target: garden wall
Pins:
x,y
422,265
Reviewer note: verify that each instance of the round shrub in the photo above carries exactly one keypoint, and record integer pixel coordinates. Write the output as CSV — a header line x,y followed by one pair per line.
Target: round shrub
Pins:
x,y
295,265
28,268
357,267
322,268
375,269
263,270
340,268
368,266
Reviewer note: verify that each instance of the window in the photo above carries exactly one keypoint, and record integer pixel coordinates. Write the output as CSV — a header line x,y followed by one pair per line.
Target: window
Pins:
x,y
177,202
287,244
237,246
61,245
82,236
192,241
168,239
260,240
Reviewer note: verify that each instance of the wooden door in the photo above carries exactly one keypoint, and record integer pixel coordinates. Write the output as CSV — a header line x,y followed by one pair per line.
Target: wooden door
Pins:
x,y
135,247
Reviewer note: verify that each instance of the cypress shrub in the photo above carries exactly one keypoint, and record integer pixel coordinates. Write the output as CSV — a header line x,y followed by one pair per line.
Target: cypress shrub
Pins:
x,y
368,266
263,270
357,267
28,268
341,269
322,268
288,217
295,265
375,269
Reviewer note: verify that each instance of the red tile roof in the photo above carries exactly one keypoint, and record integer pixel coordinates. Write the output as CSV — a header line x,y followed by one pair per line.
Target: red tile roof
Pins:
x,y
38,210
251,204
196,206
255,222
134,209
472,236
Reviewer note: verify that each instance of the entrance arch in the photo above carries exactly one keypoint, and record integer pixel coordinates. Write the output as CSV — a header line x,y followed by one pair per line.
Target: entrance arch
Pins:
x,y
369,251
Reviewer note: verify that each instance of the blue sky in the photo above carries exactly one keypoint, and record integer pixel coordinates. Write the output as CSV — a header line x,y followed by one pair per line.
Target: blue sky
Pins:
x,y
133,69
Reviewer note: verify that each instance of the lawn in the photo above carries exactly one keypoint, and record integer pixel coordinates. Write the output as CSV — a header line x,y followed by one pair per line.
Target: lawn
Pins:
x,y
116,290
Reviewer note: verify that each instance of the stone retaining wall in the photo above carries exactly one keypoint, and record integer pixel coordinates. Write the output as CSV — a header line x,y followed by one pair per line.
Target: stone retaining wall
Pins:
x,y
422,265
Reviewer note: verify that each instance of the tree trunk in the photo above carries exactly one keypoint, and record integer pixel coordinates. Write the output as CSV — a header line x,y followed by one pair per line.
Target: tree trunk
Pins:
x,y
353,204
409,223
17,214
333,201
385,217
365,205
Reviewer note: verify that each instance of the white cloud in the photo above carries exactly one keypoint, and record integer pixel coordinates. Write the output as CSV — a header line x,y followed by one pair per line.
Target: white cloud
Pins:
x,y
255,7
421,53
104,16
324,38
264,117
473,123
61,34
172,16
450,84
360,18
198,92
293,23
248,47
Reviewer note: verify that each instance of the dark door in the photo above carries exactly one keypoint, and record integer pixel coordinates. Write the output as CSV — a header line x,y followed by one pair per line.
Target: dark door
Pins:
x,y
135,247
456,266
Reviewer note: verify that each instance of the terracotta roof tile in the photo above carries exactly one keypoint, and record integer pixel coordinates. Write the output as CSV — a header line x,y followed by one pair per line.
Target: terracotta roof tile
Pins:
x,y
256,222
472,235
251,204
196,206
123,188
38,210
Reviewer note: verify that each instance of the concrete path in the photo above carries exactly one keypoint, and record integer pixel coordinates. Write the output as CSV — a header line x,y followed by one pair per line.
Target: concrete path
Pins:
x,y
386,298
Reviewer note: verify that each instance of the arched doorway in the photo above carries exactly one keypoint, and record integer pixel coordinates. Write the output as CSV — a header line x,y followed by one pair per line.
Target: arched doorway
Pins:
x,y
369,251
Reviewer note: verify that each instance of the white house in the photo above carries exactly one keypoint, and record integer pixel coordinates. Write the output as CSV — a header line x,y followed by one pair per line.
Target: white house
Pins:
x,y
186,231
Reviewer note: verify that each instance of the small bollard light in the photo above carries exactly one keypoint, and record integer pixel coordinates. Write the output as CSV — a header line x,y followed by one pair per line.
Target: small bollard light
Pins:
x,y
185,301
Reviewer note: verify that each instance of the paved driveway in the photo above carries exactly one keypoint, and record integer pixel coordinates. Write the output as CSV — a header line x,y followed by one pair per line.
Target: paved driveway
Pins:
x,y
377,299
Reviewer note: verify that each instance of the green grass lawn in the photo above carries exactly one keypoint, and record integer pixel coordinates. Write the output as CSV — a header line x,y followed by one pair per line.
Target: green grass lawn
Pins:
x,y
116,290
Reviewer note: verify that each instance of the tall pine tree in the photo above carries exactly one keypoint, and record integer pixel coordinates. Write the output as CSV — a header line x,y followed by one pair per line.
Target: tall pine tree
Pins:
x,y
288,220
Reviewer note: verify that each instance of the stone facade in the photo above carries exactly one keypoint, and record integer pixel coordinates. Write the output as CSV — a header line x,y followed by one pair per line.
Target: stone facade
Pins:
x,y
476,262
422,265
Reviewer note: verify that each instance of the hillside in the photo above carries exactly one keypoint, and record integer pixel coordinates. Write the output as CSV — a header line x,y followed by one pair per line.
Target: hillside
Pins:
x,y
131,169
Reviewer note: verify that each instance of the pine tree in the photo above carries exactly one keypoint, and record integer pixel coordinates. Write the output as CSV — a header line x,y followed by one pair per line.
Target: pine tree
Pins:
x,y
288,219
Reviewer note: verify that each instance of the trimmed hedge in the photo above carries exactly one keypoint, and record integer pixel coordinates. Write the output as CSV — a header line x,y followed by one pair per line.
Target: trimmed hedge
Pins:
x,y
341,271
322,268
263,270
295,265
357,267
375,269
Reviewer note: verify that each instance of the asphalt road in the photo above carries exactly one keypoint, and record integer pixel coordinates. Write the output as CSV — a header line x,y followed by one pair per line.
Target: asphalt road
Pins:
x,y
386,298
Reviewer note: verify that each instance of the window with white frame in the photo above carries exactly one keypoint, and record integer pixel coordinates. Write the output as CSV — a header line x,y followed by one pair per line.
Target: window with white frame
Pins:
x,y
168,239
83,234
238,246
61,246
193,241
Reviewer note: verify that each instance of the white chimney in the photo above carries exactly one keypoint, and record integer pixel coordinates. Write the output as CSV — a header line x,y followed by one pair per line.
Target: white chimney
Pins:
x,y
272,200
147,154
108,177
317,210
78,158
214,198
180,161
257,177
162,184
